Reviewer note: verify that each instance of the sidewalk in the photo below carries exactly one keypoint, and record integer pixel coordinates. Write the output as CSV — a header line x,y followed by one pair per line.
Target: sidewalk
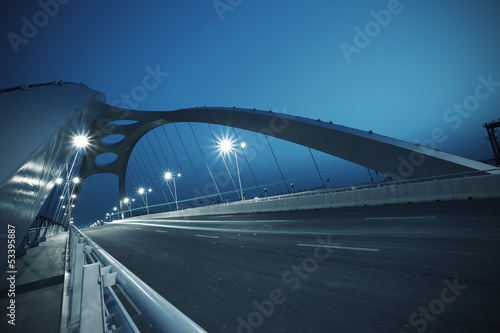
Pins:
x,y
38,288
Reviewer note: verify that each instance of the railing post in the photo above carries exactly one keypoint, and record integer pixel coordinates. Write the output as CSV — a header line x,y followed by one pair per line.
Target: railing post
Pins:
x,y
76,282
92,316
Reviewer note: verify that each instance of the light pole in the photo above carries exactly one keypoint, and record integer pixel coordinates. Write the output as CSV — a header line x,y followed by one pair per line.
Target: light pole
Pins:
x,y
239,178
115,209
168,176
142,191
107,217
226,146
126,201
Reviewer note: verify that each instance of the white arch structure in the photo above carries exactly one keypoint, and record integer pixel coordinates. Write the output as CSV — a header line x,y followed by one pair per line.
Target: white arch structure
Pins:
x,y
399,159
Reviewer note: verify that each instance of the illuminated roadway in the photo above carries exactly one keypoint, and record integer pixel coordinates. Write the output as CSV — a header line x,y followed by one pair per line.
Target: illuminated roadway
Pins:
x,y
379,269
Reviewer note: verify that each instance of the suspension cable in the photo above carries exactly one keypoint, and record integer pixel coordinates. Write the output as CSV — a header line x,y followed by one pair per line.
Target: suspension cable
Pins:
x,y
272,151
319,173
157,161
246,159
224,160
189,158
147,171
211,175
370,175
141,179
165,156
132,173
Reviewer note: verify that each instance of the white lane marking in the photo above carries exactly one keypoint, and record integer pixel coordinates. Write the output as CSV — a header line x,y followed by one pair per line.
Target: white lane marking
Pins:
x,y
161,231
399,217
341,247
267,221
206,236
139,228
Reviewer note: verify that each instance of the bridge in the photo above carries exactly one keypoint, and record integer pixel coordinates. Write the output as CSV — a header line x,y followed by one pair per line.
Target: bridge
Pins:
x,y
333,258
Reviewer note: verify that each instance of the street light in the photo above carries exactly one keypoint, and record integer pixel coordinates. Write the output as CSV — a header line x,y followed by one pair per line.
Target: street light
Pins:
x,y
225,147
80,141
168,175
59,181
126,201
76,180
142,191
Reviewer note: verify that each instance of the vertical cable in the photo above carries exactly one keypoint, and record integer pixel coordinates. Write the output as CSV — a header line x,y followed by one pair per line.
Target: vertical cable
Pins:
x,y
272,151
224,160
147,171
189,158
165,156
211,175
55,204
319,173
249,167
370,175
161,148
66,190
159,165
142,178
134,180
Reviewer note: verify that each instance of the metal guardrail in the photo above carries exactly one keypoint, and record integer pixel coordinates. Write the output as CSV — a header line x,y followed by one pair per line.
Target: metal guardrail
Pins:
x,y
162,315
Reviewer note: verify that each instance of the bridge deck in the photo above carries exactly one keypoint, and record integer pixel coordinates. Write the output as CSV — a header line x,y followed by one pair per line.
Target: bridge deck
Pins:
x,y
386,262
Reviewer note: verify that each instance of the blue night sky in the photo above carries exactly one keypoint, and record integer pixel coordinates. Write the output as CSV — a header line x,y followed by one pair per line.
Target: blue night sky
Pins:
x,y
401,69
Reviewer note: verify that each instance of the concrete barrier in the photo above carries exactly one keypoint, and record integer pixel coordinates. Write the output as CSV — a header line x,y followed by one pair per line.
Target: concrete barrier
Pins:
x,y
471,187
339,199
478,187
376,196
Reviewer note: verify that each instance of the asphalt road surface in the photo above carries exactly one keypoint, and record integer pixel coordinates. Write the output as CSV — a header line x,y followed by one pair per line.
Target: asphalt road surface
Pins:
x,y
430,267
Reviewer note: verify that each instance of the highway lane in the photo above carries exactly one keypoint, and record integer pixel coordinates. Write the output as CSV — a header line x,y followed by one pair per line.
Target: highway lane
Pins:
x,y
429,267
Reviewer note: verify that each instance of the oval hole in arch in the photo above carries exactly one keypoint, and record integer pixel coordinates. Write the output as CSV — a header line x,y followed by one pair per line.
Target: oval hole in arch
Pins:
x,y
113,140
105,160
124,125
